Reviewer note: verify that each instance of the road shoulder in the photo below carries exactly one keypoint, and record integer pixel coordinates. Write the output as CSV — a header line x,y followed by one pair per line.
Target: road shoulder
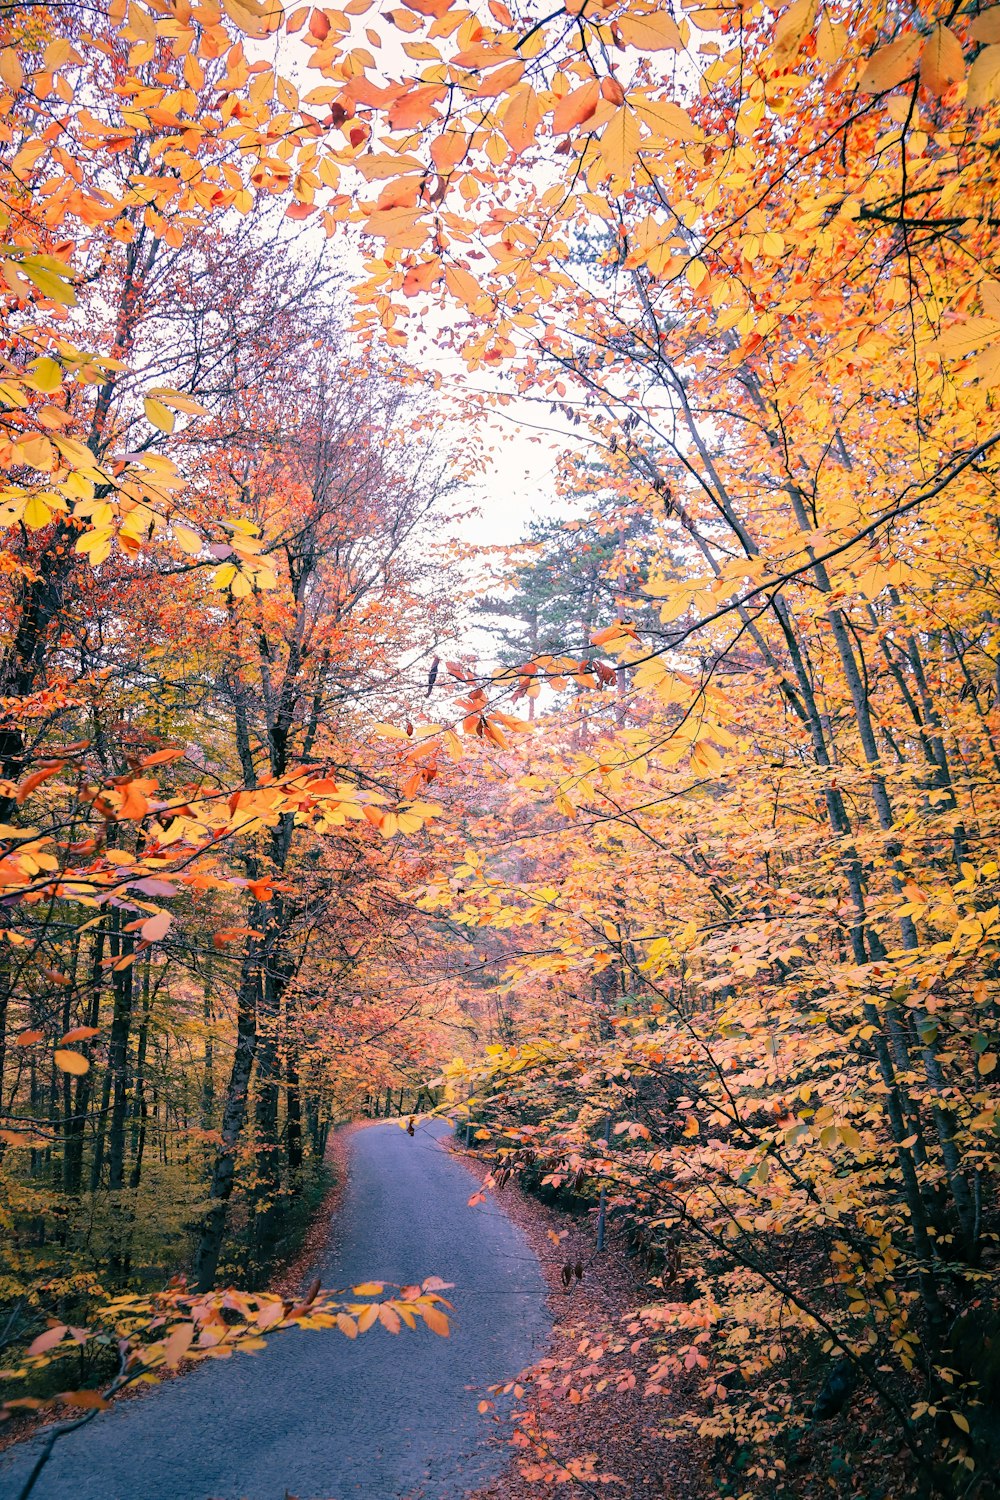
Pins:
x,y
566,1428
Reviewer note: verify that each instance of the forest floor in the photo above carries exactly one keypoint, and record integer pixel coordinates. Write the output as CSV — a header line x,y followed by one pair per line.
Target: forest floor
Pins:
x,y
613,1435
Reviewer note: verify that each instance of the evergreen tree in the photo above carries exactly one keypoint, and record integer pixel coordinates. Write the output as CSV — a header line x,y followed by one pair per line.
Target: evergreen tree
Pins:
x,y
581,575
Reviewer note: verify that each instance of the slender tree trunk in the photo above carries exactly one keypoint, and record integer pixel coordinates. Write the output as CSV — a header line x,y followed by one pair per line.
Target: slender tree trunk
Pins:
x,y
208,1069
294,1119
118,1062
883,810
234,1114
140,1107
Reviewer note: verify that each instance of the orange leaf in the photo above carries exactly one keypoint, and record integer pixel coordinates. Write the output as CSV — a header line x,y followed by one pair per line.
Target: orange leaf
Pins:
x,y
27,786
437,1322
576,107
160,757
133,803
463,286
389,1318
942,62
436,8
85,1400
70,1062
417,107
521,118
22,1138
177,1345
80,1034
233,934
422,277
986,26
892,64
447,150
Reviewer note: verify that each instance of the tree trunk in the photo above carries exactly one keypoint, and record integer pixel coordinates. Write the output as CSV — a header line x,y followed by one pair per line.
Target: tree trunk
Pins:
x,y
140,1107
121,1027
234,1114
294,1119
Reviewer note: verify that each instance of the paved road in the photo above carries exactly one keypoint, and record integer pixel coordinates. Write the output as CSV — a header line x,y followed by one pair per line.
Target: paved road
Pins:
x,y
382,1418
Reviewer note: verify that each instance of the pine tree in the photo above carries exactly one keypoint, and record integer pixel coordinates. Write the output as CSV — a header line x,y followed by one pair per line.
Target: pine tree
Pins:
x,y
582,573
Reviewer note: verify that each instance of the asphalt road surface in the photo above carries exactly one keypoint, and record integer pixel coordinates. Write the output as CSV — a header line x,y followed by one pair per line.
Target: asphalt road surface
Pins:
x,y
320,1417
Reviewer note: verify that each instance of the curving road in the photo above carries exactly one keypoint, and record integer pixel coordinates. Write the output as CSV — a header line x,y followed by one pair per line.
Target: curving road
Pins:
x,y
317,1416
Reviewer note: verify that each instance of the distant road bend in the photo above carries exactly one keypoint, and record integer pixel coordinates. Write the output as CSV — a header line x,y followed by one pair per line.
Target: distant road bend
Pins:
x,y
320,1417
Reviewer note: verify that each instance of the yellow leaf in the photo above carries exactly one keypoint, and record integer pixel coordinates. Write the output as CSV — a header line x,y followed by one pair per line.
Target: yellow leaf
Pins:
x,y
968,335
96,543
369,1289
252,18
960,1421
665,118
50,283
984,79
36,451
987,1063
694,273
158,415
705,757
831,38
620,141
189,541
10,69
792,29
655,32
46,376
177,401
36,514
